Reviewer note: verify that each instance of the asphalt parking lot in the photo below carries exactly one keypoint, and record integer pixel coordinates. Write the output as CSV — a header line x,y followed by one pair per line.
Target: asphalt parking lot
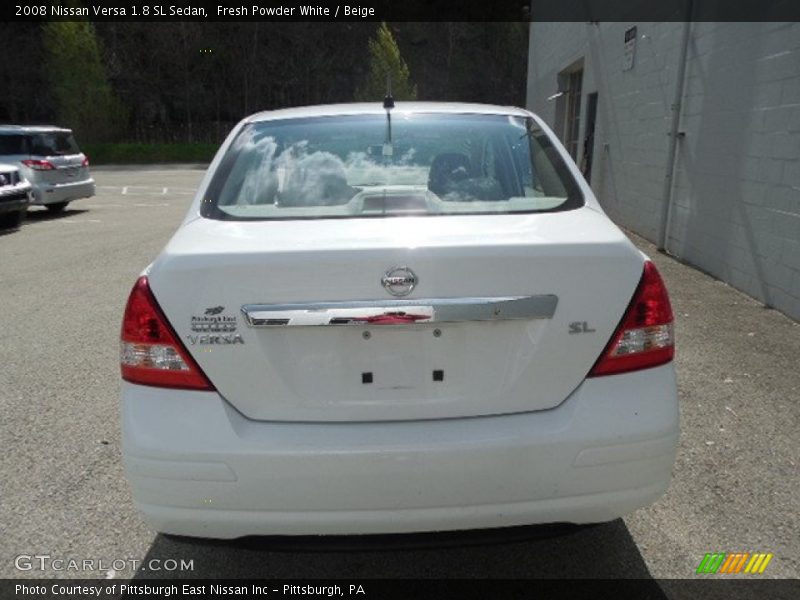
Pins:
x,y
64,280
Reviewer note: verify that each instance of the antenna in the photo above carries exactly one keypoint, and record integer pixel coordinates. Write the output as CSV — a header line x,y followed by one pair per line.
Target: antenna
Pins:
x,y
388,101
388,104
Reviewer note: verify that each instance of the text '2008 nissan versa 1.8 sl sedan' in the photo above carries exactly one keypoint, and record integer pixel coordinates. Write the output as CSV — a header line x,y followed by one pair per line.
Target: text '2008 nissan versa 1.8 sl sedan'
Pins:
x,y
380,319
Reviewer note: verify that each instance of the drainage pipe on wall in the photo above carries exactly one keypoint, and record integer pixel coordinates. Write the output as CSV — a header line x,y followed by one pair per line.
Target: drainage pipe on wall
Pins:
x,y
666,204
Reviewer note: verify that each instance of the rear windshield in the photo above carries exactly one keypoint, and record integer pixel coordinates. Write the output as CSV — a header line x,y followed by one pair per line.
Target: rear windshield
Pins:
x,y
48,143
365,166
54,143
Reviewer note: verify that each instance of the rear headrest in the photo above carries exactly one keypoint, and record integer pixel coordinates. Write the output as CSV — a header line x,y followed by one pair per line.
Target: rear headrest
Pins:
x,y
446,169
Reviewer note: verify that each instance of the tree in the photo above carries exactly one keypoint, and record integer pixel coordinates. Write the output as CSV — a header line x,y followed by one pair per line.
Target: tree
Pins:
x,y
467,61
74,67
21,100
385,60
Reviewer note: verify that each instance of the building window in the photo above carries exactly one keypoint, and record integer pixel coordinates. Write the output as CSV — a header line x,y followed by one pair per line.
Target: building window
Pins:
x,y
572,121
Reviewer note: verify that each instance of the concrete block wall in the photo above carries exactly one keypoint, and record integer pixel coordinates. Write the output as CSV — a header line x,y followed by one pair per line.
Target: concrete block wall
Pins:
x,y
736,192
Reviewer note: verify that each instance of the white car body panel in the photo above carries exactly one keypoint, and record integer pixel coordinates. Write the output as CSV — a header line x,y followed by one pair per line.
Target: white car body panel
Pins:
x,y
54,193
199,468
293,442
314,374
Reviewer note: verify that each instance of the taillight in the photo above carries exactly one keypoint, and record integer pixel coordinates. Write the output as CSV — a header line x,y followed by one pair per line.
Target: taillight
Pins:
x,y
644,337
151,353
39,165
85,162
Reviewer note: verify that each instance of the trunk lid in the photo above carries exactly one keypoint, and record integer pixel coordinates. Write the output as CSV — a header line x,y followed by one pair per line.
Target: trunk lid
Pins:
x,y
68,169
379,371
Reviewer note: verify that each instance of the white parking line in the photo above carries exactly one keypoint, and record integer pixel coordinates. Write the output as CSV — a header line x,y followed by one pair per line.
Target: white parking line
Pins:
x,y
116,205
144,190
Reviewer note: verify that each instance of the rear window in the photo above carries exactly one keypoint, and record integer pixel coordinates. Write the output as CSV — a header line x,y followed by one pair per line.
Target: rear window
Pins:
x,y
365,166
12,144
53,143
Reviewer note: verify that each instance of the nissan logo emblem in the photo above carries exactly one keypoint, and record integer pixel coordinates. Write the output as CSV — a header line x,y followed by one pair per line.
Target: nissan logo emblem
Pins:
x,y
399,281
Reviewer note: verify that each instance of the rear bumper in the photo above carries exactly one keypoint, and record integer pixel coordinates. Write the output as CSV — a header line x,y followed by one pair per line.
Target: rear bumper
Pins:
x,y
13,200
198,467
48,193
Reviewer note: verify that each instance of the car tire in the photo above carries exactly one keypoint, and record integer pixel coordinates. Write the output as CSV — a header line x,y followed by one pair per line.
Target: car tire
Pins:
x,y
12,220
56,206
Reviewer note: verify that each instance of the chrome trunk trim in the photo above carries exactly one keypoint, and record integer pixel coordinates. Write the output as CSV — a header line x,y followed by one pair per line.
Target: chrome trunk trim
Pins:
x,y
400,312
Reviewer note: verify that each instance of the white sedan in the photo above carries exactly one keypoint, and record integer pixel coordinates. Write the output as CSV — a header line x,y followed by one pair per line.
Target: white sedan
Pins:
x,y
395,319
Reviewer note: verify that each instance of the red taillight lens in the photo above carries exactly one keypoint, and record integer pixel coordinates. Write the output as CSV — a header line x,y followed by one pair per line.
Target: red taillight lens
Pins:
x,y
151,353
644,337
85,162
39,165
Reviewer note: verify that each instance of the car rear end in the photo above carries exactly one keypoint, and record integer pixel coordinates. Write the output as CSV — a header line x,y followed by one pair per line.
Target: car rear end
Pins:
x,y
441,331
50,159
15,195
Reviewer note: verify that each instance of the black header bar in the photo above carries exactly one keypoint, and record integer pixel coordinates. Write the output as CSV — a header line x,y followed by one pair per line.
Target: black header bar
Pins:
x,y
408,10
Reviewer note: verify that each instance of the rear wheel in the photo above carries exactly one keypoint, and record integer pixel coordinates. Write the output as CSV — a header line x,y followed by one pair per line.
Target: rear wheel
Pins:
x,y
12,220
57,206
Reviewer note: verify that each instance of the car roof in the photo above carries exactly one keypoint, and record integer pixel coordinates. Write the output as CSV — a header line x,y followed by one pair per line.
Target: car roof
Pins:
x,y
8,129
376,108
